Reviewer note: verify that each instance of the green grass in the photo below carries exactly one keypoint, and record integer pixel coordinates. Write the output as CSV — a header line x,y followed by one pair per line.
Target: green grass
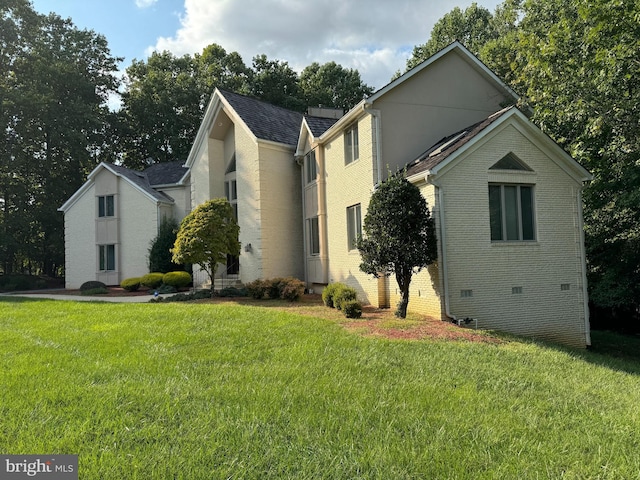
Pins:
x,y
157,391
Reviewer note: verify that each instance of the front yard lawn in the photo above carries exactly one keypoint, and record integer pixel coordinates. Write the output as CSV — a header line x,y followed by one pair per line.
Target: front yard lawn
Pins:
x,y
202,391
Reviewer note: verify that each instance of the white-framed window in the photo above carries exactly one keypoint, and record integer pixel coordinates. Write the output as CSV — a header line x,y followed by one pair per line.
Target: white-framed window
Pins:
x,y
351,149
106,206
311,166
511,213
354,226
106,257
314,236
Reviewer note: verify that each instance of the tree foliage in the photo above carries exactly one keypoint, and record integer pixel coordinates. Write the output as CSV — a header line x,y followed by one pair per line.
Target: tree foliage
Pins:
x,y
206,236
54,83
160,257
331,85
399,235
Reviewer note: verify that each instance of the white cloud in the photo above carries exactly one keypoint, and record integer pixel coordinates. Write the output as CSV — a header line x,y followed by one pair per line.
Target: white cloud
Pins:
x,y
374,36
145,3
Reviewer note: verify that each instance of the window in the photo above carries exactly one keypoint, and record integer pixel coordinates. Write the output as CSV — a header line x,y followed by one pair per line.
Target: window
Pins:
x,y
107,257
511,212
314,236
354,226
311,166
351,151
106,206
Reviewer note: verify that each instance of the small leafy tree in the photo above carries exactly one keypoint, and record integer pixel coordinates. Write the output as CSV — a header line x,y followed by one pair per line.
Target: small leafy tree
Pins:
x,y
160,257
399,235
206,236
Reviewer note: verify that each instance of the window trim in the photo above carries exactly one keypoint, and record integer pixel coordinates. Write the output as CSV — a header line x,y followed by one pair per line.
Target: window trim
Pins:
x,y
519,212
354,226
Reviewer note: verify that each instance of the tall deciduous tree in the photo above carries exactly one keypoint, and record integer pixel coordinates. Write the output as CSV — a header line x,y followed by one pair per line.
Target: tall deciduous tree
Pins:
x,y
206,236
55,80
331,85
474,27
399,235
275,82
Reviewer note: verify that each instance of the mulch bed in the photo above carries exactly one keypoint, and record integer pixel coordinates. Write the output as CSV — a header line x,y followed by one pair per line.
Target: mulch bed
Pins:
x,y
375,322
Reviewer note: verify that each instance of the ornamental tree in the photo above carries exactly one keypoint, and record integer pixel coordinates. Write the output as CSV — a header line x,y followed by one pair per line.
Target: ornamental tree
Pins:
x,y
206,236
399,235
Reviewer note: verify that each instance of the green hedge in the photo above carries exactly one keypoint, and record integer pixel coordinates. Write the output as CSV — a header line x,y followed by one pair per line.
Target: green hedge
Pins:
x,y
152,280
177,279
131,284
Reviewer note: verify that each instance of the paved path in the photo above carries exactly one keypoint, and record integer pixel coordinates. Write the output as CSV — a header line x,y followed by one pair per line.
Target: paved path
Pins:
x,y
83,298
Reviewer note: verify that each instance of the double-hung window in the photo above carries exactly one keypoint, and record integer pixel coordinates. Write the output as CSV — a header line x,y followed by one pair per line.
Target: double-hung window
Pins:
x,y
354,226
511,212
106,206
351,149
311,166
314,236
107,257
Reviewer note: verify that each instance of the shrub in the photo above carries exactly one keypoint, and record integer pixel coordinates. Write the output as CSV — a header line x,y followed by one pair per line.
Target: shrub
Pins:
x,y
95,291
164,288
343,294
273,287
131,284
233,292
352,309
177,279
327,294
291,289
92,285
256,289
160,248
152,280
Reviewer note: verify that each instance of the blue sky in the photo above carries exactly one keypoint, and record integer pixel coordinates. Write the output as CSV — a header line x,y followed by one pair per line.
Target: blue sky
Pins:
x,y
374,36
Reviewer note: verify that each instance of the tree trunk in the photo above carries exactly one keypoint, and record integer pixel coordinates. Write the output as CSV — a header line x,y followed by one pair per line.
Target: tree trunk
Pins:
x,y
404,280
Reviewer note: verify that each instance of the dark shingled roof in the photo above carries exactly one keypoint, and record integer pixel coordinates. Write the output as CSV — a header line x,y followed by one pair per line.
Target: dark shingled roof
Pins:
x,y
319,125
140,179
267,122
449,144
166,173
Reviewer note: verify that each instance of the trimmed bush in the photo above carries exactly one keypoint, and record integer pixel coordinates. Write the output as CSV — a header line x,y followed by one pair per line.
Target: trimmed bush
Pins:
x,y
273,287
131,284
256,289
152,280
95,291
92,285
327,294
177,279
352,309
343,294
291,289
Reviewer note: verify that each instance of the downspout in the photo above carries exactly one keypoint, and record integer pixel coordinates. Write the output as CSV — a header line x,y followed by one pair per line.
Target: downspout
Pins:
x,y
300,162
445,266
583,258
323,234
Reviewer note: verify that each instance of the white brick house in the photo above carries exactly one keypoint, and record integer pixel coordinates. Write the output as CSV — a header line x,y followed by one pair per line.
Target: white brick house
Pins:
x,y
506,198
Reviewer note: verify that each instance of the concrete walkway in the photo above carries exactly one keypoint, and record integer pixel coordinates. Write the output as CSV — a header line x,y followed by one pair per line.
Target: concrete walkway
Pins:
x,y
83,298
